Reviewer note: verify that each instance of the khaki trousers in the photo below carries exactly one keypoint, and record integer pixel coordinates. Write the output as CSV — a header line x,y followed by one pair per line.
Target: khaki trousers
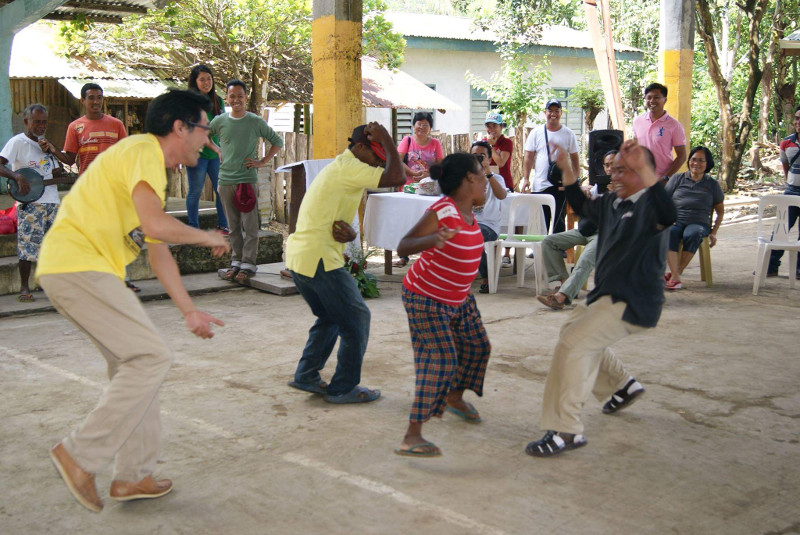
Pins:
x,y
243,229
583,364
125,426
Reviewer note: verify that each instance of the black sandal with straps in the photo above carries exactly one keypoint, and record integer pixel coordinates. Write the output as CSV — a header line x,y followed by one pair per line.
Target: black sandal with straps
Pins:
x,y
552,443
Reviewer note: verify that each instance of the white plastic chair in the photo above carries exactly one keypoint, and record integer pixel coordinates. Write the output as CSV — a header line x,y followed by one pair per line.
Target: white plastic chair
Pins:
x,y
777,237
534,231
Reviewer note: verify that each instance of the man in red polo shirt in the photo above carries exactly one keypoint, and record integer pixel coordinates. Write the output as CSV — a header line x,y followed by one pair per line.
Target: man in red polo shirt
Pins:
x,y
93,133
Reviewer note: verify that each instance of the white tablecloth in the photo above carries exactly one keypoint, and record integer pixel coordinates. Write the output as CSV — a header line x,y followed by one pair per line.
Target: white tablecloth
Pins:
x,y
389,216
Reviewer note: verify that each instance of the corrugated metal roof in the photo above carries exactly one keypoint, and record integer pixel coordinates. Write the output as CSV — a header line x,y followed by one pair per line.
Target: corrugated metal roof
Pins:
x,y
117,88
33,55
792,40
463,28
383,88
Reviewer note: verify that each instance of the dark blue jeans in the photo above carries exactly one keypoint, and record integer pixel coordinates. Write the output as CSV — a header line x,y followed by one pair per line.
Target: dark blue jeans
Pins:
x,y
794,213
488,235
335,299
197,178
691,235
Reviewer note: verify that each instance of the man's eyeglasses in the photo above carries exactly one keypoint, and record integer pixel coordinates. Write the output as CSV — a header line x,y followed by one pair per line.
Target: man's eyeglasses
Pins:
x,y
198,125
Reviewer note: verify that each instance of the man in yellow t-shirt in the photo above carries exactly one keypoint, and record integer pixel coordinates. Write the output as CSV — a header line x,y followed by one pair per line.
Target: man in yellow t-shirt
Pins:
x,y
115,207
314,255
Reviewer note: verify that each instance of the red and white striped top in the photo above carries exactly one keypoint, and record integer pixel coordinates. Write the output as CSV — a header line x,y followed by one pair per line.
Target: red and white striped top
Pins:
x,y
446,274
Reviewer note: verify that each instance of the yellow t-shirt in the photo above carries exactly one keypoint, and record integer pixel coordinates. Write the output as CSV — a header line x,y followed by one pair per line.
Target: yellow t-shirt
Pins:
x,y
97,227
334,195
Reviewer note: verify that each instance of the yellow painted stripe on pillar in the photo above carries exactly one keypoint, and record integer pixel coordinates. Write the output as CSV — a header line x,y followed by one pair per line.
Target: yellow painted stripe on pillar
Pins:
x,y
675,71
336,63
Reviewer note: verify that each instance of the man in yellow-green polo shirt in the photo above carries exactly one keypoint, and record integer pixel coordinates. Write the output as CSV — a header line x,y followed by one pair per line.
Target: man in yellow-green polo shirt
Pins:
x,y
314,255
115,207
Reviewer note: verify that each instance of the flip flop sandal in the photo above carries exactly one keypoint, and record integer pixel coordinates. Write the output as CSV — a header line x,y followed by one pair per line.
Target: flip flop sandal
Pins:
x,y
552,444
133,287
470,415
484,289
414,451
230,274
314,388
25,298
359,394
244,275
400,263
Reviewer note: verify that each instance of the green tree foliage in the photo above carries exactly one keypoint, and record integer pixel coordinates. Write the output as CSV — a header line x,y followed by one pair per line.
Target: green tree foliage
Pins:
x,y
588,94
519,88
265,43
380,40
250,40
636,23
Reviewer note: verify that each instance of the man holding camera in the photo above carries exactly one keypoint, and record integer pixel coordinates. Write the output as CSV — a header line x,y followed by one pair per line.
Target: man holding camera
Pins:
x,y
539,158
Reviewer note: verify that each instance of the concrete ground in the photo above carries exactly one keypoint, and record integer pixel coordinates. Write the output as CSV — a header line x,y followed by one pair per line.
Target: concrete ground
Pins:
x,y
711,448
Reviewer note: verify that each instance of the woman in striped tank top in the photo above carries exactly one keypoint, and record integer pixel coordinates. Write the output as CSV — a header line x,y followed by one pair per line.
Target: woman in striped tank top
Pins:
x,y
451,348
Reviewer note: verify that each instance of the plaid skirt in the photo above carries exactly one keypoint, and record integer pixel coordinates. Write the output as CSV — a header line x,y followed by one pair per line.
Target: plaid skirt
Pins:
x,y
451,351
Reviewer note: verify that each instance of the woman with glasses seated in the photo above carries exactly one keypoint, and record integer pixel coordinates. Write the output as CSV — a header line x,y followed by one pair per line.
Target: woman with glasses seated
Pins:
x,y
695,194
488,214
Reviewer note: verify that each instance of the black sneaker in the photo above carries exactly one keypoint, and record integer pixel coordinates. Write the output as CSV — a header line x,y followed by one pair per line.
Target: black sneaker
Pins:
x,y
623,397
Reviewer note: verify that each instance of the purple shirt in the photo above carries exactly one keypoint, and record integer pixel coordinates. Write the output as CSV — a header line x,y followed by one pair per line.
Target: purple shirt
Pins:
x,y
660,136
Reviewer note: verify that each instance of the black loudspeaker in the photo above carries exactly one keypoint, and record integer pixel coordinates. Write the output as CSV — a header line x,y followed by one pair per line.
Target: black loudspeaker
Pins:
x,y
600,142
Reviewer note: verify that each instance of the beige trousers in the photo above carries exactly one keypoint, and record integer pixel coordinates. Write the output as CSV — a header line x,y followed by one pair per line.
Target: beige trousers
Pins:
x,y
125,426
583,364
243,229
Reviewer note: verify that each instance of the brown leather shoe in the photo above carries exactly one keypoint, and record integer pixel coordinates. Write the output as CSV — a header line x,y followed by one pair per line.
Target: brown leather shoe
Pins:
x,y
124,491
550,301
79,482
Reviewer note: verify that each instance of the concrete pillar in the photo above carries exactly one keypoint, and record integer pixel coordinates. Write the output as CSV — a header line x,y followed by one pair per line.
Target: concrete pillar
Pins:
x,y
675,58
14,17
336,62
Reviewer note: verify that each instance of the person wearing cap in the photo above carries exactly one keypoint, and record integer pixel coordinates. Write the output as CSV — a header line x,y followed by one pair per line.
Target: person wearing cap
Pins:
x,y
315,259
538,159
239,132
660,132
502,147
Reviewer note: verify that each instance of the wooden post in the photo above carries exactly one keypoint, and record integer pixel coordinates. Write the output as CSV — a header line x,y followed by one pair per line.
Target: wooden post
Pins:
x,y
336,65
675,58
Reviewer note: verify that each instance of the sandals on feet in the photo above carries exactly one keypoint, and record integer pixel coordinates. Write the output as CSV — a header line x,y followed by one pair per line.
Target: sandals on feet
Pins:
x,y
470,415
315,388
231,273
135,289
673,285
425,449
403,262
244,275
623,397
484,289
359,394
552,444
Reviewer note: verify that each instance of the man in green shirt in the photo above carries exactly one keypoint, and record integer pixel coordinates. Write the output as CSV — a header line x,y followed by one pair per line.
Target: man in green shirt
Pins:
x,y
239,132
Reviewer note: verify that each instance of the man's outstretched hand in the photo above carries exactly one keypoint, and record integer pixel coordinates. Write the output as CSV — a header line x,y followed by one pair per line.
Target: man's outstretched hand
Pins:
x,y
199,323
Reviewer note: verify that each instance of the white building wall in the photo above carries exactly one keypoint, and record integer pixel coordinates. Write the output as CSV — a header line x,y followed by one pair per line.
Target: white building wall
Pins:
x,y
448,69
